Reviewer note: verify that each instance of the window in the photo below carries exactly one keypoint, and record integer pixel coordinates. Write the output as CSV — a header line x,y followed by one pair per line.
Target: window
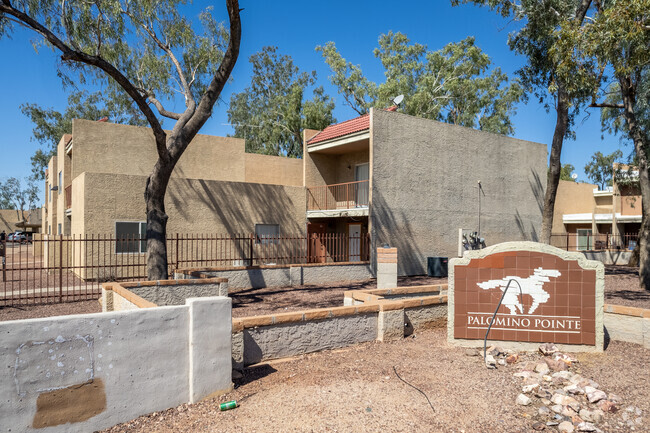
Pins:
x,y
267,233
59,226
131,237
49,229
60,181
585,239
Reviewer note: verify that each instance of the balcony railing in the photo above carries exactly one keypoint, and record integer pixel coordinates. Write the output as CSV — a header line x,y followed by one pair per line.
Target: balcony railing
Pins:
x,y
68,196
348,195
591,242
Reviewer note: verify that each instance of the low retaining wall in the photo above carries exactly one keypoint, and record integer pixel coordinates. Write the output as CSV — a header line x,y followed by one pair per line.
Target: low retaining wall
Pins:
x,y
610,257
628,324
261,338
256,277
92,371
147,294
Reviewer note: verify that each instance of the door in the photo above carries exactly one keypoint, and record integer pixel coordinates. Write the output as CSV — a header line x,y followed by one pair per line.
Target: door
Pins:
x,y
585,239
354,240
361,173
316,250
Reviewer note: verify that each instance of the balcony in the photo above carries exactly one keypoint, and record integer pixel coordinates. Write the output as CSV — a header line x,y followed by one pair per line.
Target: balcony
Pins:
x,y
342,199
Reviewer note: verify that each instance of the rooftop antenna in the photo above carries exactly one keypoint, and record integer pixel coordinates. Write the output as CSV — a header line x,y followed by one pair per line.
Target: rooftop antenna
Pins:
x,y
398,100
574,176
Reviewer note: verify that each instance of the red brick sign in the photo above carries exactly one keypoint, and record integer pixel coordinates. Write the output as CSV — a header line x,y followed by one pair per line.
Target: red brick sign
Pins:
x,y
549,300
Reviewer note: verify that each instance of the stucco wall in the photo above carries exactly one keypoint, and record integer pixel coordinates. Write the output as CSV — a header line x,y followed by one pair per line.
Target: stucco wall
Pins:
x,y
194,206
573,197
265,343
424,187
274,170
133,151
178,293
92,371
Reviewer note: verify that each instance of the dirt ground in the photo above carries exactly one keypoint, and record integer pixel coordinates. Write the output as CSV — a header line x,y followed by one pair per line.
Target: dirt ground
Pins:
x,y
357,390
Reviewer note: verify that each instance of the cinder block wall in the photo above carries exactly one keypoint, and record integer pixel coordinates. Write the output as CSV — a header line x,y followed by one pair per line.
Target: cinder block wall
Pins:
x,y
424,187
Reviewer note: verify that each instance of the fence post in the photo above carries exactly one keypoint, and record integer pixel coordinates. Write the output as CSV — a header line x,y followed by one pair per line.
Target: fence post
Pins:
x,y
3,253
61,267
250,250
176,254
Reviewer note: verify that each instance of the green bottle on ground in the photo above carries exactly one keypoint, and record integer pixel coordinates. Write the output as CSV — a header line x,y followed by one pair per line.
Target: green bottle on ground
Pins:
x,y
228,405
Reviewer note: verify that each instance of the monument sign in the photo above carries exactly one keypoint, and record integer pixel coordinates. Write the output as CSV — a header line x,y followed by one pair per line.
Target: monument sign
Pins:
x,y
552,296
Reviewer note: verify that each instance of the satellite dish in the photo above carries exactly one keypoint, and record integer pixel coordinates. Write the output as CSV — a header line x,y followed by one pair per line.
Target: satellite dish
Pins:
x,y
574,176
398,99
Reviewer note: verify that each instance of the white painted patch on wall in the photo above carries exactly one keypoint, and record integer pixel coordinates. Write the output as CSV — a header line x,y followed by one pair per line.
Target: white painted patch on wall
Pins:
x,y
43,367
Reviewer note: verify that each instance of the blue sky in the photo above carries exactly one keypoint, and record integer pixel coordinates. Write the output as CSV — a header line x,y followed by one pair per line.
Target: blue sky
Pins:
x,y
297,28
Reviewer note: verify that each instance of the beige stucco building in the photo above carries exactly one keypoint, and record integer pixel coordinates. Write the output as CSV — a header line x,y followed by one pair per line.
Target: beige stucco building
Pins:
x,y
97,180
587,217
388,177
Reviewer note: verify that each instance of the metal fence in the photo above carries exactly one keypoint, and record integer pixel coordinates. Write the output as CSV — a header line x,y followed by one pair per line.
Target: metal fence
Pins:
x,y
52,269
594,242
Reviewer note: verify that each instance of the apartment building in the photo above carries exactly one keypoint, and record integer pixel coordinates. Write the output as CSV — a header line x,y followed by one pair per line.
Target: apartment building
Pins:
x,y
95,185
587,217
412,183
407,182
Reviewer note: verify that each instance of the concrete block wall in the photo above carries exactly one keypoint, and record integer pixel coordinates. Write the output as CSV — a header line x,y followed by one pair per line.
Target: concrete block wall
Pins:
x,y
262,338
255,277
89,372
628,324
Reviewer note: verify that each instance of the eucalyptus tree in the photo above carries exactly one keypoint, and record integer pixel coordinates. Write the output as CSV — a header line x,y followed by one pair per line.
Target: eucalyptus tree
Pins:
x,y
50,125
535,38
273,110
149,51
619,38
13,195
455,84
600,169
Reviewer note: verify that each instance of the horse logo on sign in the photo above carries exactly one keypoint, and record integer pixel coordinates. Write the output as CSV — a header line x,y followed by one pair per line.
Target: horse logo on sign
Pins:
x,y
529,286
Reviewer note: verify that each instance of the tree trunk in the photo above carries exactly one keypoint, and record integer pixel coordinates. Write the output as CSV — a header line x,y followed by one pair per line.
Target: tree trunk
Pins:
x,y
628,92
154,197
555,165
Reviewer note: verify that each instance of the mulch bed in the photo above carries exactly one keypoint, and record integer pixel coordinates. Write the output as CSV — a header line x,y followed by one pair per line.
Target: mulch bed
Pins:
x,y
621,288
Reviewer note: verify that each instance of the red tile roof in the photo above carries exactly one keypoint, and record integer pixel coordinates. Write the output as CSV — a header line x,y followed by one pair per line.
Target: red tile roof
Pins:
x,y
357,124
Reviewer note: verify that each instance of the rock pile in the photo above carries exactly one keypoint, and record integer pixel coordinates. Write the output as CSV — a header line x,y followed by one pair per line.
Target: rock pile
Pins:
x,y
559,399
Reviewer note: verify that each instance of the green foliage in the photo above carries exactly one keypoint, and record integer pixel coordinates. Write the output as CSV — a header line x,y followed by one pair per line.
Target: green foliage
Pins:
x,y
272,111
14,196
537,39
455,84
600,170
566,171
149,43
50,125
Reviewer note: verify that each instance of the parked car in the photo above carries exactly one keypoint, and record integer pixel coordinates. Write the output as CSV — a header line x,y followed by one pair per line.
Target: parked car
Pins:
x,y
20,237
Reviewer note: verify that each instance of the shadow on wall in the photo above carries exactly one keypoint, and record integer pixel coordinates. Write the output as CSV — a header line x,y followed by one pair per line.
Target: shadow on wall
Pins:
x,y
537,188
395,229
237,207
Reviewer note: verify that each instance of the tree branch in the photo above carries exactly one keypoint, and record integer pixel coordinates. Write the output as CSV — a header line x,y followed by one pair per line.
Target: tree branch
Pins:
x,y
605,105
161,109
68,54
204,109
